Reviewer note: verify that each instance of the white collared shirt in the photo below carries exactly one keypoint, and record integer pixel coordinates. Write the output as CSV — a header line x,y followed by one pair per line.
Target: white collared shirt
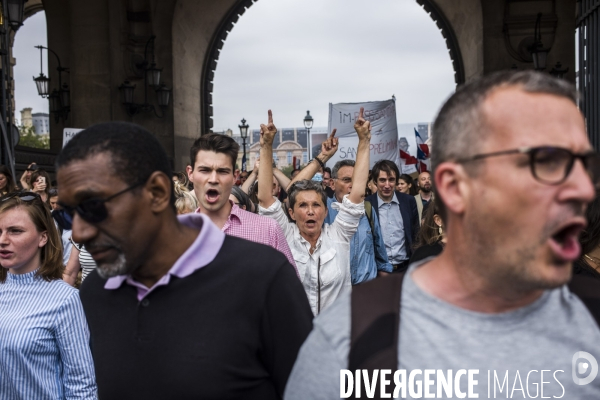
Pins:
x,y
332,252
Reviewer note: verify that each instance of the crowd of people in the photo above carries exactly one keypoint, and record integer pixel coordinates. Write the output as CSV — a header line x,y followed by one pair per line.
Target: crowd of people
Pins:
x,y
123,279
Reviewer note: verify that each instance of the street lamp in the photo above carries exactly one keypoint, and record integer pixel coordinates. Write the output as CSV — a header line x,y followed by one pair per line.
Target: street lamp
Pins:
x,y
152,76
308,124
558,71
538,52
14,13
60,99
244,134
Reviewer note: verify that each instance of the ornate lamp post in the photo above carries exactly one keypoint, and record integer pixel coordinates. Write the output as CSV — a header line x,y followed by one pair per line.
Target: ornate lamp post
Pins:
x,y
244,134
308,124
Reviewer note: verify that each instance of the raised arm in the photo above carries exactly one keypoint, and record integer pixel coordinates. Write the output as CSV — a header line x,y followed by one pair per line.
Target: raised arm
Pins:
x,y
265,172
361,168
251,178
328,149
283,180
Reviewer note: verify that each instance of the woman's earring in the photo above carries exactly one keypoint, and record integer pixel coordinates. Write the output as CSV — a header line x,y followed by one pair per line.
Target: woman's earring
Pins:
x,y
440,230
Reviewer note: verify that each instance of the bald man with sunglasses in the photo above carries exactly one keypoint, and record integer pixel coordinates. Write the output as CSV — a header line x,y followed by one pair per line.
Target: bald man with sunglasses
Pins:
x,y
173,311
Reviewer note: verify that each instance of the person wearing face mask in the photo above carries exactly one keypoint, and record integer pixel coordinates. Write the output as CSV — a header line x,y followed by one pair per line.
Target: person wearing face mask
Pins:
x,y
321,251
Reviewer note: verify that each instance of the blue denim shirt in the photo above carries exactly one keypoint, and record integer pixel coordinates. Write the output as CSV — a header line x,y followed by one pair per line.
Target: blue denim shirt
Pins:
x,y
367,250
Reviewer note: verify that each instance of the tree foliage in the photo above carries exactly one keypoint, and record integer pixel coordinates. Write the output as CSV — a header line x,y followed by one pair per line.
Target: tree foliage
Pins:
x,y
30,139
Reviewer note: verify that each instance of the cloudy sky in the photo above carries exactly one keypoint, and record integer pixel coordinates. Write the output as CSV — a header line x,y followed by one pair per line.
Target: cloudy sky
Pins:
x,y
298,55
32,33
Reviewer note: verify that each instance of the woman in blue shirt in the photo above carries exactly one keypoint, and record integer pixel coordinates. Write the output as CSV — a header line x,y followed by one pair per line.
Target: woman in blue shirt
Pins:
x,y
44,338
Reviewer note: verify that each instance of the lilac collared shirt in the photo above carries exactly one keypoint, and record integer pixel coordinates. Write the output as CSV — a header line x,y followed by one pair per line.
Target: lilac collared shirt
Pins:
x,y
201,253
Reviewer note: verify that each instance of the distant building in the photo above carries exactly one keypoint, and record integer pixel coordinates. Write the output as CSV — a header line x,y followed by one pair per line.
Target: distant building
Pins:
x,y
41,121
288,143
26,118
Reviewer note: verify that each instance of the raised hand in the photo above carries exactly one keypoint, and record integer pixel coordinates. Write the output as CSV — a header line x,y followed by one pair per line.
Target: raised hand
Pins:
x,y
330,146
362,126
268,132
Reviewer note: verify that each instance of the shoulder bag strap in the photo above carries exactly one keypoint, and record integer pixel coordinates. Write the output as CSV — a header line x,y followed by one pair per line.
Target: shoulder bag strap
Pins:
x,y
375,324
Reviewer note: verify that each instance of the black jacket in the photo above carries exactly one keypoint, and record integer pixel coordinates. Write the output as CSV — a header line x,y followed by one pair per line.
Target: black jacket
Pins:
x,y
410,217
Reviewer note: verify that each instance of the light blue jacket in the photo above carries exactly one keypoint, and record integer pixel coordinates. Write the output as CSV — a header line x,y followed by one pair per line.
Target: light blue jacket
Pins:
x,y
367,250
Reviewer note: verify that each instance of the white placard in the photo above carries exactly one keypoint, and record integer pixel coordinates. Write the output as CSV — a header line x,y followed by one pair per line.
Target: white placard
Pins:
x,y
384,130
68,134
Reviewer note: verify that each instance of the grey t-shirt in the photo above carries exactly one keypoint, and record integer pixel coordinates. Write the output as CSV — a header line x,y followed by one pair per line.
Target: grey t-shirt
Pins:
x,y
513,348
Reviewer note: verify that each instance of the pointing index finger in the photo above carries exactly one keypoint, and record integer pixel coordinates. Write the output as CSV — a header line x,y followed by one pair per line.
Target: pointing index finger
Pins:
x,y
361,114
270,117
333,133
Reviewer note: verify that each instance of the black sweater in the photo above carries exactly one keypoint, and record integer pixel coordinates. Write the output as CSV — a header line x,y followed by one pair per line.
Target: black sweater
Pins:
x,y
231,330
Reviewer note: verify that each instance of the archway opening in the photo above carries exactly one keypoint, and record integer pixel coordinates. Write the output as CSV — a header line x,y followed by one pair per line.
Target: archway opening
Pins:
x,y
294,55
31,111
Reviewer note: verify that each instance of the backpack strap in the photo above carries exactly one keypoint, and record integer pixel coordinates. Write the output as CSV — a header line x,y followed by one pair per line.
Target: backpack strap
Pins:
x,y
369,214
375,324
587,288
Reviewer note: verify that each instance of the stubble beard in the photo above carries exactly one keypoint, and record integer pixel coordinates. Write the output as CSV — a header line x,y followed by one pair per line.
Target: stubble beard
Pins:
x,y
511,271
118,267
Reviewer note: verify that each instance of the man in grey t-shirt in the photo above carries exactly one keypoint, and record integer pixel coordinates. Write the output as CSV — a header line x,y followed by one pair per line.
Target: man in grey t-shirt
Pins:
x,y
490,317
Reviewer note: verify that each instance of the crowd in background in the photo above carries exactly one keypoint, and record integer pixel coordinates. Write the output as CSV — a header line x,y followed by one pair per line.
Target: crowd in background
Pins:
x,y
224,270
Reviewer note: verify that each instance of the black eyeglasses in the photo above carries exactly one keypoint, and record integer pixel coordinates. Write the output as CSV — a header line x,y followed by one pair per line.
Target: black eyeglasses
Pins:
x,y
551,165
24,196
93,210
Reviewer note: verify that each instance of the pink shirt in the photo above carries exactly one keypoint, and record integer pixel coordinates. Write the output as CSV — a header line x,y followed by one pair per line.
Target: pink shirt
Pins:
x,y
258,229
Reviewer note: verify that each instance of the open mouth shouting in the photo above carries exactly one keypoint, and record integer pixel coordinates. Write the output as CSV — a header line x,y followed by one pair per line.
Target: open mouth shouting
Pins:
x,y
311,224
212,196
564,241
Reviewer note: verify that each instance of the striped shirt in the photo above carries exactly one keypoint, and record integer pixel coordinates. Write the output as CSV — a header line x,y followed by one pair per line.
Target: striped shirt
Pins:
x,y
44,341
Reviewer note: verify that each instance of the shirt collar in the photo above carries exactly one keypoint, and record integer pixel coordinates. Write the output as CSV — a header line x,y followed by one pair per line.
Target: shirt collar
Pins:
x,y
201,253
235,211
380,202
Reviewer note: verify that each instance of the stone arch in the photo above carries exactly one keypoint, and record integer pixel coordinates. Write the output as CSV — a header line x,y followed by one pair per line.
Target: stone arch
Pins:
x,y
200,28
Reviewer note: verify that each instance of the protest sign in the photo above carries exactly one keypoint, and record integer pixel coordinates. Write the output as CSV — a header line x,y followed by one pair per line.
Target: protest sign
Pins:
x,y
384,130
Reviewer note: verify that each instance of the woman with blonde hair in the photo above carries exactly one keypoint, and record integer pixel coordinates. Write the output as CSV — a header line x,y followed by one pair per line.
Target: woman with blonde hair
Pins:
x,y
44,346
185,201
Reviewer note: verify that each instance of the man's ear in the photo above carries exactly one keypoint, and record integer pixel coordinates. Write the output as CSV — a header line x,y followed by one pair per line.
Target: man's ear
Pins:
x,y
159,186
189,169
451,186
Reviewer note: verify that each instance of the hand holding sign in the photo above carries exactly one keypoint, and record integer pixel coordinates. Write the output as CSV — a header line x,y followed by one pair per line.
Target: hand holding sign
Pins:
x,y
268,132
362,126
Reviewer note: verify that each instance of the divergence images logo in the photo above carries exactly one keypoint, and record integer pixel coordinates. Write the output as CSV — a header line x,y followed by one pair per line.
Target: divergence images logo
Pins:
x,y
580,367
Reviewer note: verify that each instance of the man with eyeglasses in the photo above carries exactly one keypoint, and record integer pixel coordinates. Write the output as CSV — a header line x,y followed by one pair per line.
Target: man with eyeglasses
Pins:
x,y
492,313
173,311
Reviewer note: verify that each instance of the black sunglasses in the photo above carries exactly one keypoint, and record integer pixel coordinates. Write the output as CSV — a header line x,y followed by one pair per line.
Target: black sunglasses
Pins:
x,y
24,196
93,210
551,165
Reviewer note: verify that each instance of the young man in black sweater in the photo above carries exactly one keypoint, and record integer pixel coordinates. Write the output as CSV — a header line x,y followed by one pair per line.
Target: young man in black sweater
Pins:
x,y
176,309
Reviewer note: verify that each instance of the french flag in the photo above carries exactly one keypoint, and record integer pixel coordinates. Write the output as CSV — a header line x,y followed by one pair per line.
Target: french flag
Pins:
x,y
422,153
408,162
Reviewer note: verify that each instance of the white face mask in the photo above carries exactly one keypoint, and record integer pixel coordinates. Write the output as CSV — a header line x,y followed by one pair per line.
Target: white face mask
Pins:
x,y
318,177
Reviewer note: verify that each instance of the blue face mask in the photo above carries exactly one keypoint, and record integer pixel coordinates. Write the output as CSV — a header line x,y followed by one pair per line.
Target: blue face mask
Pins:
x,y
318,177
